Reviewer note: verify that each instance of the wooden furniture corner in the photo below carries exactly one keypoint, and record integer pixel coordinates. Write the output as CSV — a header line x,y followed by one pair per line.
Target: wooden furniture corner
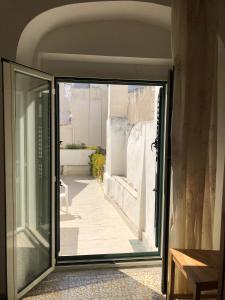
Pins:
x,y
199,267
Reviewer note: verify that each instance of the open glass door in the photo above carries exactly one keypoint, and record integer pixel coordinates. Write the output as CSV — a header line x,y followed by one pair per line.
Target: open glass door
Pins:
x,y
30,184
109,204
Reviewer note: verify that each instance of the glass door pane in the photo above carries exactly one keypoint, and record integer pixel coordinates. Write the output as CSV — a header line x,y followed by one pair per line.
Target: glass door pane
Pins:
x,y
33,177
30,171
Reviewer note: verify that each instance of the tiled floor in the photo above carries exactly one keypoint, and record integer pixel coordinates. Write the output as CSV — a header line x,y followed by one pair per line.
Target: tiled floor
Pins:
x,y
111,284
92,225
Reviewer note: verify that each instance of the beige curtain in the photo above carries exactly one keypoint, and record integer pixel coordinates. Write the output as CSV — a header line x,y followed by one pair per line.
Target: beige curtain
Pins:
x,y
194,46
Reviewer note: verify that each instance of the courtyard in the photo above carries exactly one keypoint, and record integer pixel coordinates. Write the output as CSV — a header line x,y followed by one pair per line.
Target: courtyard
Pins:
x,y
108,167
92,225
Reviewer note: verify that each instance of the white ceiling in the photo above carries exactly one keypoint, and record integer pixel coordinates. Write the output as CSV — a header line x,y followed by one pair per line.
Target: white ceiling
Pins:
x,y
157,15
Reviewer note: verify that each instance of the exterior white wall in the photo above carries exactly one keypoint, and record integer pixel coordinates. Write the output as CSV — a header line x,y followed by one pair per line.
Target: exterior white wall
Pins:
x,y
116,146
141,104
88,108
141,171
129,148
75,161
125,197
98,111
79,106
150,172
134,194
75,157
135,155
66,135
118,101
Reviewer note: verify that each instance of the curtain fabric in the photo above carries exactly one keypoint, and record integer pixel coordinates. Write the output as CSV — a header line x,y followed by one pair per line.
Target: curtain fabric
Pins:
x,y
194,48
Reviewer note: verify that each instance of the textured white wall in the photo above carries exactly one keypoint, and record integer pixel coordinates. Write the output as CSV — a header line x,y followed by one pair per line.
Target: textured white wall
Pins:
x,y
129,155
118,100
141,171
134,193
150,171
116,146
141,104
125,197
136,155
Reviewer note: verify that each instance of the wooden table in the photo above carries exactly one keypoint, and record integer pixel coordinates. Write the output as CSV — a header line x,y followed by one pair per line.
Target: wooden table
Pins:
x,y
199,267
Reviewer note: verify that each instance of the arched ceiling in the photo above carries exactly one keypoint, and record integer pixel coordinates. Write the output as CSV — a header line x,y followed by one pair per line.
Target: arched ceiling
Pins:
x,y
157,15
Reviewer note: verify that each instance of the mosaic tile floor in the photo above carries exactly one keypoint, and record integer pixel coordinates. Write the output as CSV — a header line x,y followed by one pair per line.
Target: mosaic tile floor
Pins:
x,y
111,284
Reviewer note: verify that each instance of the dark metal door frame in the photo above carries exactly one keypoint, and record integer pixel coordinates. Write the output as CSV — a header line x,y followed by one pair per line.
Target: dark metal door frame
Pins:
x,y
3,267
107,258
167,180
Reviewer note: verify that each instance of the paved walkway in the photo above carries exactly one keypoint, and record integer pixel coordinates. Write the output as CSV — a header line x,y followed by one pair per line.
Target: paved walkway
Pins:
x,y
92,225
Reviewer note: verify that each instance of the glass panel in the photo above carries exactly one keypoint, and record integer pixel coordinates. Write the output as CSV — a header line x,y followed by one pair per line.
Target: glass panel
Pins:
x,y
33,178
108,169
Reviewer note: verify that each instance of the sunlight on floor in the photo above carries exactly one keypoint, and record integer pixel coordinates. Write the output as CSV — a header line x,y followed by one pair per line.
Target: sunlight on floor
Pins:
x,y
92,225
107,284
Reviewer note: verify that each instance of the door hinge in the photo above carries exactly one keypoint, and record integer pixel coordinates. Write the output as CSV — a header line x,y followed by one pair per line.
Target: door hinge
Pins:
x,y
53,91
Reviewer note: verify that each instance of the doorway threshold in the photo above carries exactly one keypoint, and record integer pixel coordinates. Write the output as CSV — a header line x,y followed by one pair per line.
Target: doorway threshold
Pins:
x,y
93,265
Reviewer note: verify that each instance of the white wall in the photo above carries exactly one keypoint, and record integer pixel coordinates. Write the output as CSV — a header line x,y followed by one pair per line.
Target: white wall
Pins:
x,y
130,170
118,101
116,145
75,157
88,110
134,192
150,172
79,107
98,114
141,104
136,155
141,172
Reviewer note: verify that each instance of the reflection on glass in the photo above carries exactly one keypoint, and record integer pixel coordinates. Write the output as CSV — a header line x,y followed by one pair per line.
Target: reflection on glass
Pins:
x,y
33,178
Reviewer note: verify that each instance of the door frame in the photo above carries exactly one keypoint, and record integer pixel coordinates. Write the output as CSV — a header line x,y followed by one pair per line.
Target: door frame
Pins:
x,y
167,179
109,258
9,69
221,278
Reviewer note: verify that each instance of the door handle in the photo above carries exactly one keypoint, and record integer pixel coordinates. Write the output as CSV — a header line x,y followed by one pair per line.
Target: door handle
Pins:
x,y
155,144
